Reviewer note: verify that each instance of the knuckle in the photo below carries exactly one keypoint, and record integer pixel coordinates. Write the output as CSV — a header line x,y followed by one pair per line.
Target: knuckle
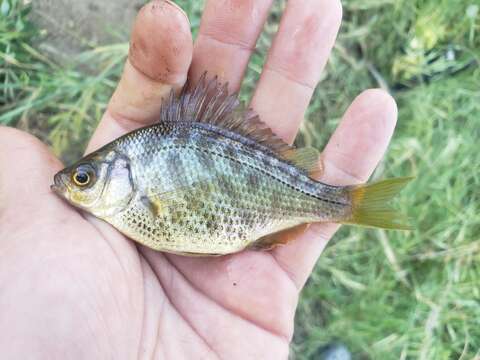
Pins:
x,y
226,21
161,43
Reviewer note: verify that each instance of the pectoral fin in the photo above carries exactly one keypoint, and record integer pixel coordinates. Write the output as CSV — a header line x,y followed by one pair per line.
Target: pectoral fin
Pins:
x,y
154,205
159,202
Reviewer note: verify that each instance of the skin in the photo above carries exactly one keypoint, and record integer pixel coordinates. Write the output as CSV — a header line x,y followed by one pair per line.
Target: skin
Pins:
x,y
72,287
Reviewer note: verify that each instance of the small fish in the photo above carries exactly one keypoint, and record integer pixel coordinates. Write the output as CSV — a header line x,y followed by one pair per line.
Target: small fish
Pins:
x,y
210,179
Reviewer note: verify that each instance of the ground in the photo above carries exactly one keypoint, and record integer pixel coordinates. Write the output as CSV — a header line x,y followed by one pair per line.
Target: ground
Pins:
x,y
385,295
74,26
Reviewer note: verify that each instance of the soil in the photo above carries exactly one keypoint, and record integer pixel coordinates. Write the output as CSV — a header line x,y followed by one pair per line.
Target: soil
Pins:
x,y
72,26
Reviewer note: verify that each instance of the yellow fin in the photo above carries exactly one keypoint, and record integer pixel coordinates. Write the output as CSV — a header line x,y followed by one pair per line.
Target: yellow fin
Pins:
x,y
370,205
307,158
268,242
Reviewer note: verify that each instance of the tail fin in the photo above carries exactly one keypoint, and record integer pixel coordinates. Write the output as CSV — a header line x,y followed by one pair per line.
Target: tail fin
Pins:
x,y
370,205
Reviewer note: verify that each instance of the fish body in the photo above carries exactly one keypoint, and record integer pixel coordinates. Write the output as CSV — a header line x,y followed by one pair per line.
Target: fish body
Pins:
x,y
207,179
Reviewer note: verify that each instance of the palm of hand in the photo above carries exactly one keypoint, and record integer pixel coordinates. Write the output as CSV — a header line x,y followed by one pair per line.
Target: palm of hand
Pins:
x,y
73,286
82,281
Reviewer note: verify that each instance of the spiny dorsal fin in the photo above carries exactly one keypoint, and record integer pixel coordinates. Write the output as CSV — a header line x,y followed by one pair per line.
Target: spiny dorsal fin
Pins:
x,y
209,102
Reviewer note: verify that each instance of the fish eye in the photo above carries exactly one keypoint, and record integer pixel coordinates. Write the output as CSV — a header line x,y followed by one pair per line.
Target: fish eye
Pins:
x,y
82,177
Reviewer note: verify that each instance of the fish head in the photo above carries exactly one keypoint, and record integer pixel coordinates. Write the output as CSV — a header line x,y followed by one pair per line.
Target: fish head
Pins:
x,y
100,183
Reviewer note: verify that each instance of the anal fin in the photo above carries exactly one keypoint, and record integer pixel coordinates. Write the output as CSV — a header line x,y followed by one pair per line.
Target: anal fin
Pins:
x,y
282,237
193,254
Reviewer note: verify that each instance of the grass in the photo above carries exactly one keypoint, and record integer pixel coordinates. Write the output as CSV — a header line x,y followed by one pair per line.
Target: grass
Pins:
x,y
386,295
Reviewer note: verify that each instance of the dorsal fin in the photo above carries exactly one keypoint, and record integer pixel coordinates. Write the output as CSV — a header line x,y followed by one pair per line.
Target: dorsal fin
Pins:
x,y
308,159
209,102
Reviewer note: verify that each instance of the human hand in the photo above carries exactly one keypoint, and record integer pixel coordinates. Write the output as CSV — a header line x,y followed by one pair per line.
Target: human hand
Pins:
x,y
73,287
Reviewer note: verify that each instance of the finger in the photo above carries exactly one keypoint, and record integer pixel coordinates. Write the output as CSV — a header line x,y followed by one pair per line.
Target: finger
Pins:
x,y
159,57
298,55
227,37
349,158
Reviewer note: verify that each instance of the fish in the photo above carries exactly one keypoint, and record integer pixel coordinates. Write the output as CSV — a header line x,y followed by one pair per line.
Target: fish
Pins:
x,y
210,178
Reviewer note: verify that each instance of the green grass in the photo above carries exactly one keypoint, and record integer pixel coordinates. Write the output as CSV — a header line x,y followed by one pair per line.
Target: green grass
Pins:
x,y
386,295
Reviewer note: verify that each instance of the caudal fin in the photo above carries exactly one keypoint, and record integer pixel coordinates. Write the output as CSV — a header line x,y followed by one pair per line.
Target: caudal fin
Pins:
x,y
370,205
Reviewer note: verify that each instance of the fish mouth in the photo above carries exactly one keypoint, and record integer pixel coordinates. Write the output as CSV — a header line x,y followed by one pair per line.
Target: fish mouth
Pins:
x,y
59,185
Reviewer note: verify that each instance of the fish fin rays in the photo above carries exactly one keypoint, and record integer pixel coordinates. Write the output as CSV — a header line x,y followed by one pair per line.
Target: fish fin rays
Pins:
x,y
192,254
282,237
308,159
153,205
209,102
159,202
371,205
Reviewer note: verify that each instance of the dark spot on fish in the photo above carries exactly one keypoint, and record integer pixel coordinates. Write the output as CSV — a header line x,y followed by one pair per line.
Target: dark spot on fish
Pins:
x,y
192,205
174,162
241,235
234,284
209,224
206,161
252,179
276,201
202,142
266,162
237,167
222,183
230,152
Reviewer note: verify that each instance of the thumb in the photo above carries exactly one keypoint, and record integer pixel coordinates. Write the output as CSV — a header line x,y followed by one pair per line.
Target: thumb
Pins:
x,y
160,54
